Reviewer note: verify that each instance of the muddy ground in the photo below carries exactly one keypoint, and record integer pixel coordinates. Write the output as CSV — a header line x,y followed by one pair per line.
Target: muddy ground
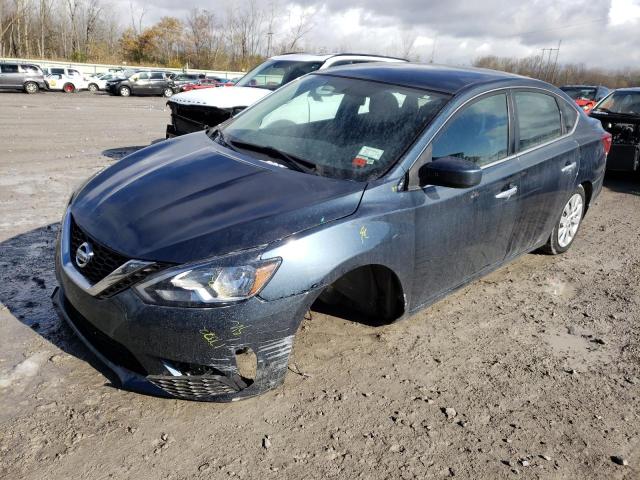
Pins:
x,y
540,360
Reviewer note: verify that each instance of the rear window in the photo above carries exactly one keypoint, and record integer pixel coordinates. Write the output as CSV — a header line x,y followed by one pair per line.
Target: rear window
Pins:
x,y
538,118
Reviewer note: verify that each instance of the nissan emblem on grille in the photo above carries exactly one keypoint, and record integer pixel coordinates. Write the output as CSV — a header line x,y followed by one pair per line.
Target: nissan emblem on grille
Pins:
x,y
84,254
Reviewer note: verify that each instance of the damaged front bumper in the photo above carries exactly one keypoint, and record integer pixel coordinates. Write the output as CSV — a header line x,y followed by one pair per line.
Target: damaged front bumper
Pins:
x,y
188,353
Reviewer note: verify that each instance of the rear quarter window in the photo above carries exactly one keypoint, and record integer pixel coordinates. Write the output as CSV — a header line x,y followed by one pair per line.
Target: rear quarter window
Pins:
x,y
538,119
569,115
9,68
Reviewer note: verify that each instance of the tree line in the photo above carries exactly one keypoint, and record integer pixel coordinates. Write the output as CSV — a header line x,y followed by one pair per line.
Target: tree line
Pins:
x,y
549,70
89,31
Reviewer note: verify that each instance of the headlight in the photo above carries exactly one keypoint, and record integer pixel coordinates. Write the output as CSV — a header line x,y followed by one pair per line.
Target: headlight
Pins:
x,y
207,284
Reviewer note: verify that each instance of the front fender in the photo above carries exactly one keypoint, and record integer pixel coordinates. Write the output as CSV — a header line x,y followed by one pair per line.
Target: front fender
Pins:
x,y
381,232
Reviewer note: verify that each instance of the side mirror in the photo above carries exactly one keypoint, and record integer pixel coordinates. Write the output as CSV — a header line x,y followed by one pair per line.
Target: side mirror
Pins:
x,y
450,172
135,79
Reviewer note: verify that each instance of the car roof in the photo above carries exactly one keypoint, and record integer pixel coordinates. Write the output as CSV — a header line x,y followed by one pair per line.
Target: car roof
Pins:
x,y
440,78
312,57
628,89
581,86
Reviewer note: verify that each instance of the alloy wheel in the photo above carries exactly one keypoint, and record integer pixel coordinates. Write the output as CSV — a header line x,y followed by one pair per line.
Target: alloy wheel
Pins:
x,y
570,220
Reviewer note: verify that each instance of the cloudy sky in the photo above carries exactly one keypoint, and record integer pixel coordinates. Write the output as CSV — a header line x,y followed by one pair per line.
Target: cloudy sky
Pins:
x,y
595,32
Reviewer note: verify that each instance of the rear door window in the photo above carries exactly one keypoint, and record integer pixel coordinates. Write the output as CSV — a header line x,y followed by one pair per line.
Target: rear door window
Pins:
x,y
480,133
8,68
538,119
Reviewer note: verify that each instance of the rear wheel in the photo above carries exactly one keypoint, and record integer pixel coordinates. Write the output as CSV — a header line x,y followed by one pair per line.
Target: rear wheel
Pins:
x,y
124,91
31,87
93,87
567,226
69,88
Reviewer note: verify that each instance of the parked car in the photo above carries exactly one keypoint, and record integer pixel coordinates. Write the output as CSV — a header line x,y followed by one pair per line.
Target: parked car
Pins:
x,y
68,80
99,82
21,76
619,114
208,82
586,96
188,266
181,79
141,83
197,110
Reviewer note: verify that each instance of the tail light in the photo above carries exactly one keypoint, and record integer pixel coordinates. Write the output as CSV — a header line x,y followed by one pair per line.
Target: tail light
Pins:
x,y
606,142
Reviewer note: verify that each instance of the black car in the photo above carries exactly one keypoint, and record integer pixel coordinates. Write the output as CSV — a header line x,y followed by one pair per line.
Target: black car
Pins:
x,y
371,191
21,76
142,83
619,114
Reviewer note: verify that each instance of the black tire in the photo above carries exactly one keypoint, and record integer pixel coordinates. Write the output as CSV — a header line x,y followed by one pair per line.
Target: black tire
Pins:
x,y
167,92
31,87
93,87
69,88
558,242
124,91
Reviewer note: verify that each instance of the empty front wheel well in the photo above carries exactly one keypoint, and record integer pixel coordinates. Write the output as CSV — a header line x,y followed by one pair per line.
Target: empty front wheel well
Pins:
x,y
588,191
371,294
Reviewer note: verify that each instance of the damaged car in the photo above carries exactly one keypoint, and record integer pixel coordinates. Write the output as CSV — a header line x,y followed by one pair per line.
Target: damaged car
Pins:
x,y
586,96
367,191
199,109
619,114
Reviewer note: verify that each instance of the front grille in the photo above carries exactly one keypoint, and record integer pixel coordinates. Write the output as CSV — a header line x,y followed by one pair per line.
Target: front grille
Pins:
x,y
113,351
202,387
191,118
104,259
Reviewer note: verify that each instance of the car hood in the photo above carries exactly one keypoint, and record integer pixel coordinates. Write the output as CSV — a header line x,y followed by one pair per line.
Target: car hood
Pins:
x,y
188,198
221,97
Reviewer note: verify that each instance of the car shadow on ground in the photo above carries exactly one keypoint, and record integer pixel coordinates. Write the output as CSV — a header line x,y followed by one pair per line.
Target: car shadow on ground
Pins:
x,y
623,182
27,280
119,153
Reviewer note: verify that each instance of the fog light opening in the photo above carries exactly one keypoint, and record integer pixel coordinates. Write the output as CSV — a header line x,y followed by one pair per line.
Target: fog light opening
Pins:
x,y
247,364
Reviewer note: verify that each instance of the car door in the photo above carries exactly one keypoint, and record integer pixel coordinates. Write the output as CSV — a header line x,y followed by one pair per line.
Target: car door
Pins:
x,y
10,77
550,160
157,83
461,233
141,84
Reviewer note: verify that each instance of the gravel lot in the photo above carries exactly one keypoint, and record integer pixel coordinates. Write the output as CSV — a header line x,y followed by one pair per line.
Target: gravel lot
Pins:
x,y
532,371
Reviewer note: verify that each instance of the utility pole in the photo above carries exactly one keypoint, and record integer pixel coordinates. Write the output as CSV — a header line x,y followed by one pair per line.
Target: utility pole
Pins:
x,y
433,49
547,71
270,35
555,62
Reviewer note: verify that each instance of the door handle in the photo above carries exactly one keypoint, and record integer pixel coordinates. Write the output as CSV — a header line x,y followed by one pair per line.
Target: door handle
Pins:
x,y
568,167
506,194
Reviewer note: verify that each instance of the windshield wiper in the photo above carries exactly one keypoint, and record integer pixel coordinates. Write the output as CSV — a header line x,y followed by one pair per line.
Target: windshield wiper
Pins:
x,y
222,140
291,161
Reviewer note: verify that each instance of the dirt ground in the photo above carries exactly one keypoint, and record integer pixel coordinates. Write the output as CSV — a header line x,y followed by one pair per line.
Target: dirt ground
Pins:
x,y
540,361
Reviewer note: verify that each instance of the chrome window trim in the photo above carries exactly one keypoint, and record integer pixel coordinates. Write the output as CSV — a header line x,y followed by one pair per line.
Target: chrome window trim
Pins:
x,y
120,273
507,90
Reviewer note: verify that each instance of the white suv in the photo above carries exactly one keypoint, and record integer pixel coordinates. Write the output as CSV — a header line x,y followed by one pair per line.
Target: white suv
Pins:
x,y
68,80
198,109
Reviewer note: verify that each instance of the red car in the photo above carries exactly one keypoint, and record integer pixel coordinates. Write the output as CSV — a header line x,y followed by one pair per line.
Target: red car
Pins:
x,y
586,96
210,82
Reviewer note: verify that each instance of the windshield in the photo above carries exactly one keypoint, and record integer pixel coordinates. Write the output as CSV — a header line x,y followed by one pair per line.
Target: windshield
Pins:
x,y
272,74
340,127
581,93
621,102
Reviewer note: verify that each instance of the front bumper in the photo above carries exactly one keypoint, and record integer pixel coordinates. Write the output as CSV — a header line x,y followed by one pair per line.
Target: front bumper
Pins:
x,y
188,353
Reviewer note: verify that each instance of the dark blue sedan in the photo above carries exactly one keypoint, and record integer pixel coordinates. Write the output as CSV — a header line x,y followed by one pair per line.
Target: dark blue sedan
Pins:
x,y
368,191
